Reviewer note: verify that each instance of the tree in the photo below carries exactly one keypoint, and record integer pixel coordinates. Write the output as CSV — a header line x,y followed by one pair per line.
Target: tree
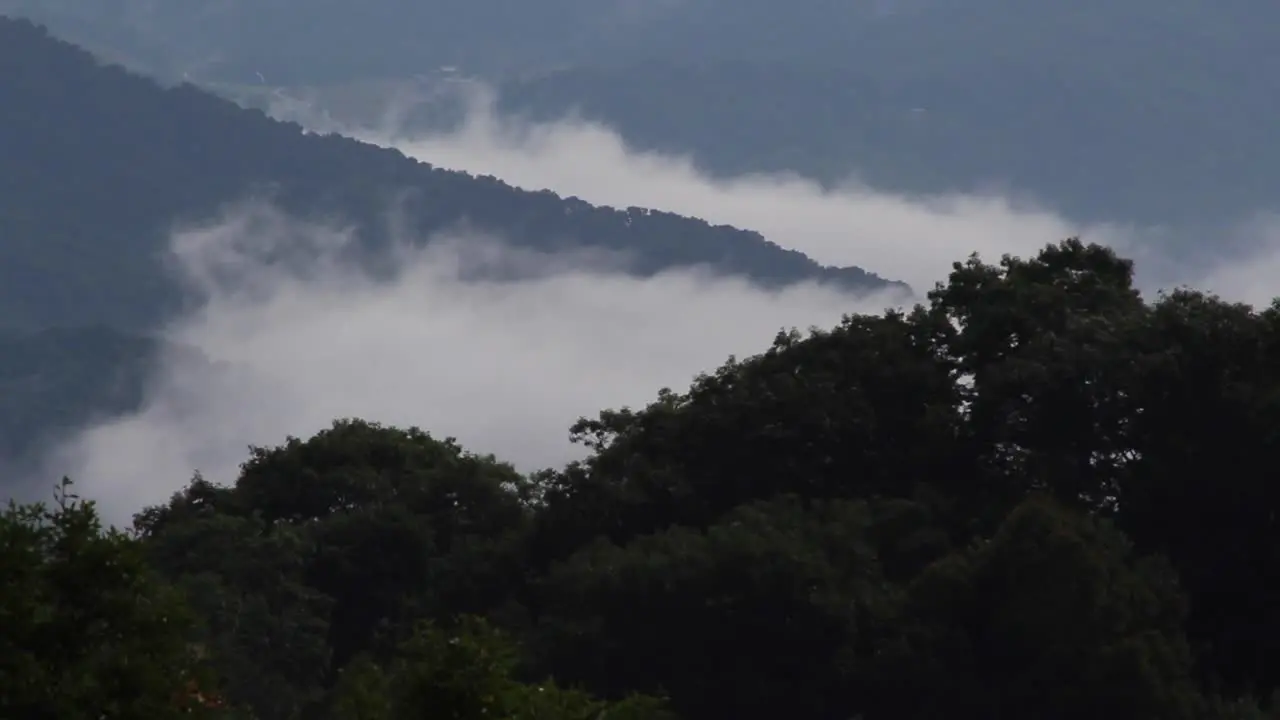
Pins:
x,y
1044,347
264,630
328,548
1053,617
1201,489
866,409
768,613
465,672
1161,415
386,510
87,629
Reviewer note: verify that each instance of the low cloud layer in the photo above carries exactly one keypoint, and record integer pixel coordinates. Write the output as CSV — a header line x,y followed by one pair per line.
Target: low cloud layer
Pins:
x,y
506,366
503,366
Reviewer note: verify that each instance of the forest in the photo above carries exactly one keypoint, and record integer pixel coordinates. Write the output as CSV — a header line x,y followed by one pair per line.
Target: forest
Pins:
x,y
1036,494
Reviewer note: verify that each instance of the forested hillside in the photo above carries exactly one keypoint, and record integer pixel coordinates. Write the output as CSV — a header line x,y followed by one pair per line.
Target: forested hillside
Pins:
x,y
1127,112
1034,496
98,165
52,381
1148,145
1104,111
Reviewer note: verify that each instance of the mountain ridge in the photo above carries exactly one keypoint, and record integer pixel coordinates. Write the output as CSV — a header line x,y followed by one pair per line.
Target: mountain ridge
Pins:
x,y
132,158
99,165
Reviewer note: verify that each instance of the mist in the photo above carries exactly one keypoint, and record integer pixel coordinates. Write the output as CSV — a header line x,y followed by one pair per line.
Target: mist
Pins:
x,y
506,366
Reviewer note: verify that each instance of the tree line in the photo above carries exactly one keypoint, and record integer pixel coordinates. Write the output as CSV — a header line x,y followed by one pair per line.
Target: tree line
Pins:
x,y
1033,495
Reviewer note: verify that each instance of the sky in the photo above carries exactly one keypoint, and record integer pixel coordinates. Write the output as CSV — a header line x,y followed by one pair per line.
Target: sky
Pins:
x,y
507,367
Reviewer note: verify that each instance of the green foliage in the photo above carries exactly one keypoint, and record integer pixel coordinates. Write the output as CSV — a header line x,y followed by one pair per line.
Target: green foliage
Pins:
x,y
264,630
465,673
763,613
819,416
87,629
325,549
1053,617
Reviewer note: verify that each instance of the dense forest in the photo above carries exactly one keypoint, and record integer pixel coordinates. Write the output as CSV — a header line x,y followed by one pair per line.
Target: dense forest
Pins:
x,y
1034,495
134,159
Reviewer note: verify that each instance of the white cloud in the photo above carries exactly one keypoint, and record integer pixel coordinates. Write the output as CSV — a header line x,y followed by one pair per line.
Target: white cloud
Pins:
x,y
1251,271
505,366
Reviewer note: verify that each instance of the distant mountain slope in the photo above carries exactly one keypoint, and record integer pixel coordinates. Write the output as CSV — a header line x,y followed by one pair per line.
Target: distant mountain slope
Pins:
x,y
325,41
54,381
1188,149
1171,144
96,165
1152,111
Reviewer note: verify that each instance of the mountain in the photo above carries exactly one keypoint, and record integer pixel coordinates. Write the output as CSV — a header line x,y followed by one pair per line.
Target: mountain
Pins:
x,y
1156,113
55,380
323,41
98,164
1189,151
1167,145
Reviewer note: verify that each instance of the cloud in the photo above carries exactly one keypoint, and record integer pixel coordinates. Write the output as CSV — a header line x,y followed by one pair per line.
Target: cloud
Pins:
x,y
1248,270
506,366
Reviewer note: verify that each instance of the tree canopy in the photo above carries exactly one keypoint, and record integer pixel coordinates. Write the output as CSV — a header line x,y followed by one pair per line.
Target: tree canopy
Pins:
x,y
1035,494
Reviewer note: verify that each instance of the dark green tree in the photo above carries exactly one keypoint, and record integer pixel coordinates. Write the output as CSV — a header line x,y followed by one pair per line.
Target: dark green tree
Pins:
x,y
264,630
329,548
770,612
466,672
1053,617
88,631
866,409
